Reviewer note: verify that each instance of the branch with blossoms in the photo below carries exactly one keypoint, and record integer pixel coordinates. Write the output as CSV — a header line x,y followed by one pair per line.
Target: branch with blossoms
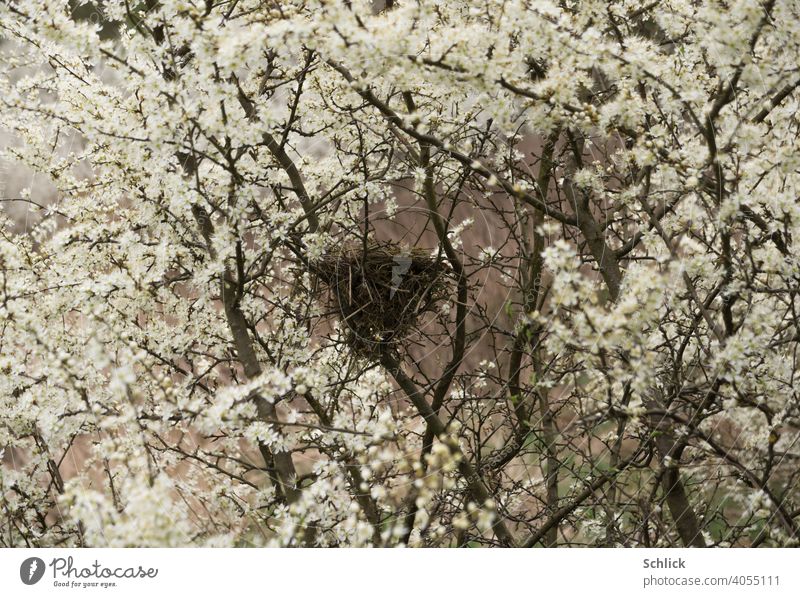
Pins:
x,y
340,274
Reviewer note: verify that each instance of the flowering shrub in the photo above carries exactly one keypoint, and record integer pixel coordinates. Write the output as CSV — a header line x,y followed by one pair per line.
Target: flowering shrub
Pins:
x,y
611,187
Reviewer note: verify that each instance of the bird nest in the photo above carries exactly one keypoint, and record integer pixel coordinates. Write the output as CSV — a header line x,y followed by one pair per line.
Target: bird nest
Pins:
x,y
381,293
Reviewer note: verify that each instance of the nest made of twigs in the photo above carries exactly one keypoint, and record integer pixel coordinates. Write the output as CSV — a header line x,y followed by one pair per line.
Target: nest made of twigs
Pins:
x,y
380,294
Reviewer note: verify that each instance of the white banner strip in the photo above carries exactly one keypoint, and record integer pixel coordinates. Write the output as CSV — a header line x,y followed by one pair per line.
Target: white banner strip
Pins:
x,y
371,573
